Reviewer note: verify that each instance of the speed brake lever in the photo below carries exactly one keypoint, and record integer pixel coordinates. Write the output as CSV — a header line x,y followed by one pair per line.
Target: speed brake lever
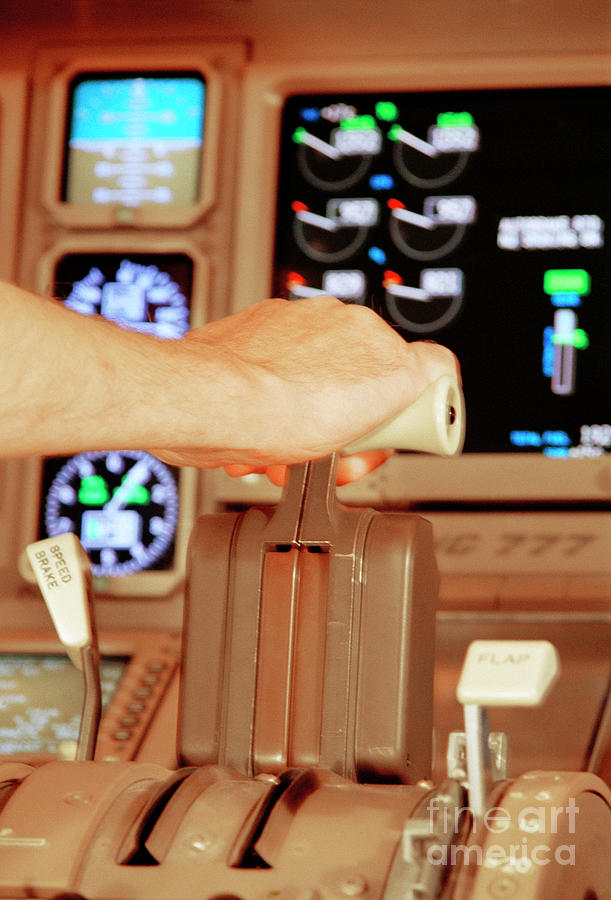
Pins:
x,y
63,573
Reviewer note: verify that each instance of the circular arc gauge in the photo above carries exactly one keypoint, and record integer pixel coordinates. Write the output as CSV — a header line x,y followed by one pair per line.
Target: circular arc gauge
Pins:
x,y
122,505
442,157
340,162
435,233
430,306
340,233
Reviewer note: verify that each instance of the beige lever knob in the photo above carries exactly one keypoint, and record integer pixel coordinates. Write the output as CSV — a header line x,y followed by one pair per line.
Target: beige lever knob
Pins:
x,y
434,423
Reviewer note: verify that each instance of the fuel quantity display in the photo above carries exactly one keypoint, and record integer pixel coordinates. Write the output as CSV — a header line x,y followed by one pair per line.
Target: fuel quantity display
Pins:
x,y
475,218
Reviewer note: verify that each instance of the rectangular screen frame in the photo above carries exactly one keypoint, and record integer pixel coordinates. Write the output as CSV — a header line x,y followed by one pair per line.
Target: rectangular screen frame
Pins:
x,y
155,61
13,88
140,649
476,477
146,584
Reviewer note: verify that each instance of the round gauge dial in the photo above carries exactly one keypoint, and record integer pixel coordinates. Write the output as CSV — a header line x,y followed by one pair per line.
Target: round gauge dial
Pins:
x,y
429,307
324,239
341,161
425,171
440,158
434,233
424,242
330,173
123,506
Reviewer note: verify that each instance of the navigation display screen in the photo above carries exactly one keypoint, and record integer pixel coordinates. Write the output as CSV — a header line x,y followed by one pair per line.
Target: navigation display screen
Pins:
x,y
42,698
146,292
134,139
478,219
123,505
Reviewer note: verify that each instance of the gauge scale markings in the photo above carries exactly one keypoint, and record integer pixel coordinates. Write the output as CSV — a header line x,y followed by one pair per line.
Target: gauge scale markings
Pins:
x,y
123,506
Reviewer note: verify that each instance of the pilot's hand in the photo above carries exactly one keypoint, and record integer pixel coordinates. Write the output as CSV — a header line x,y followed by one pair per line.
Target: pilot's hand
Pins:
x,y
280,382
298,380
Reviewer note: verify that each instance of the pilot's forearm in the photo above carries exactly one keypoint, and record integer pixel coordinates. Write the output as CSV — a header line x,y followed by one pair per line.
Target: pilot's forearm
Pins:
x,y
279,382
299,379
71,383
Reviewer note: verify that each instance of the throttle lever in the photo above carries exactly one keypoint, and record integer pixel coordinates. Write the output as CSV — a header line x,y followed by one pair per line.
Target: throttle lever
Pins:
x,y
433,423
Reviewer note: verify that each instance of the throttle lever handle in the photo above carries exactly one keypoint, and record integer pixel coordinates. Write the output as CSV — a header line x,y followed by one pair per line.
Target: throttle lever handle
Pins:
x,y
434,423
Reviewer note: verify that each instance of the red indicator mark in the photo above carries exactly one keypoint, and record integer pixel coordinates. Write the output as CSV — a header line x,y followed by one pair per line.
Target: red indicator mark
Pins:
x,y
295,278
391,277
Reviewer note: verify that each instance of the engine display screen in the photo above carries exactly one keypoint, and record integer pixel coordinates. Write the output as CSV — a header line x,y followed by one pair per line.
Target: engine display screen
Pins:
x,y
41,697
134,139
473,218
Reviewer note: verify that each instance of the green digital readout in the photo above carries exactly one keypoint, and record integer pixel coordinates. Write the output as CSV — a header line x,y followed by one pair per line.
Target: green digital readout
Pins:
x,y
558,280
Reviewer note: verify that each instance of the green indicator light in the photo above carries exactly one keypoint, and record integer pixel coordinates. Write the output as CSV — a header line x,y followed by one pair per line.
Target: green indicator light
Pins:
x,y
363,123
139,496
387,111
575,280
455,120
299,135
393,134
93,491
579,339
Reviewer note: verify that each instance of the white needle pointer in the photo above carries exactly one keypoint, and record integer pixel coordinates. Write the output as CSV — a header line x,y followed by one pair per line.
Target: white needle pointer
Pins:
x,y
317,144
407,292
406,137
405,215
136,476
310,218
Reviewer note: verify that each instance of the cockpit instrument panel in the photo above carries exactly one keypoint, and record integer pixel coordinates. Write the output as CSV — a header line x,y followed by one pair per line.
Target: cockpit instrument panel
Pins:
x,y
42,700
146,292
122,505
42,692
